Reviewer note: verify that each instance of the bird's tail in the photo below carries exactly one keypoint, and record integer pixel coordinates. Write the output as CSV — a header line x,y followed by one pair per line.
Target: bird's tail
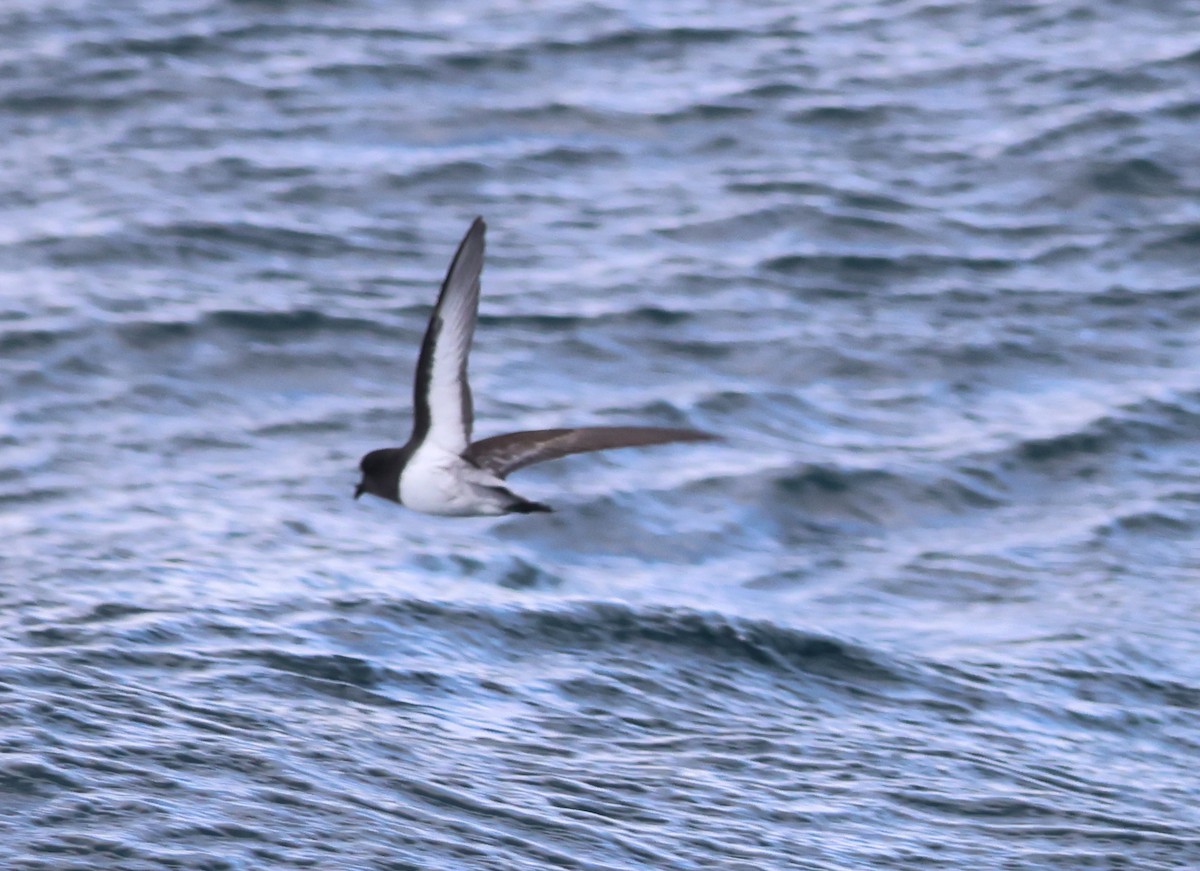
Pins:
x,y
524,506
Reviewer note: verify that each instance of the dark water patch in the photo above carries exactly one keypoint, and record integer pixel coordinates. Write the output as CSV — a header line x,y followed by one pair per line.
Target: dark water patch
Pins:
x,y
1063,255
335,668
229,171
728,112
647,38
449,172
284,323
93,847
149,335
537,321
1178,244
207,236
777,186
294,427
875,202
1146,79
36,341
519,59
571,156
618,43
748,224
864,229
775,90
1068,445
1136,177
55,636
561,115
147,650
1127,692
190,136
523,574
843,116
29,774
1105,123
223,325
824,480
816,499
861,271
360,75
658,316
1163,521
172,244
946,577
36,102
854,273
184,444
1127,430
968,489
1120,295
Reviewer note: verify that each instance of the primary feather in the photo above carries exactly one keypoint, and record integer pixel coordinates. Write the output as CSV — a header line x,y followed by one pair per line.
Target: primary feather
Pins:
x,y
441,380
504,454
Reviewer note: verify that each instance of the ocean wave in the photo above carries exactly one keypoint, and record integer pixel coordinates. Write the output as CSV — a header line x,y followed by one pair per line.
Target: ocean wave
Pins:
x,y
679,634
170,243
1130,428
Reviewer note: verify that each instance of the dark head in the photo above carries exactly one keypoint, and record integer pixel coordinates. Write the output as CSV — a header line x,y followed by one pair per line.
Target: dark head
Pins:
x,y
381,474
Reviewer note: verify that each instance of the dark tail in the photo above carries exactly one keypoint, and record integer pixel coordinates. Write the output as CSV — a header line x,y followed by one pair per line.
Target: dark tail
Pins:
x,y
524,506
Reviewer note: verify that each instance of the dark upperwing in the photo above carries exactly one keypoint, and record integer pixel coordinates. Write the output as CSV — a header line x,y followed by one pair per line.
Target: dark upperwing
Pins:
x,y
503,454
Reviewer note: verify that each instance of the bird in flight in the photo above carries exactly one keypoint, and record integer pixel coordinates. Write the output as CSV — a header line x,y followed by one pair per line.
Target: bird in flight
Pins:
x,y
440,470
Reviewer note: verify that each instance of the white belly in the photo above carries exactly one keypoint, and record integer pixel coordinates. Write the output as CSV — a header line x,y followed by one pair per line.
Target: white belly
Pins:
x,y
436,481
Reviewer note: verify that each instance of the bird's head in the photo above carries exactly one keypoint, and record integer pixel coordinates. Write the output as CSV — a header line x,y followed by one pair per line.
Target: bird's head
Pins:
x,y
381,474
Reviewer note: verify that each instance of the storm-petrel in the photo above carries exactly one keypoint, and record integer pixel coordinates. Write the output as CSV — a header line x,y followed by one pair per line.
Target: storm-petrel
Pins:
x,y
440,471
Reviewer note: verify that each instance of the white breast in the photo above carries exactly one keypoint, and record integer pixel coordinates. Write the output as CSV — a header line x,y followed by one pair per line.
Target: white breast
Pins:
x,y
436,481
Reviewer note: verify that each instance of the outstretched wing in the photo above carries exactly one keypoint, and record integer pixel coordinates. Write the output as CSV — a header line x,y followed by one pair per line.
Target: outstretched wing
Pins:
x,y
504,454
442,411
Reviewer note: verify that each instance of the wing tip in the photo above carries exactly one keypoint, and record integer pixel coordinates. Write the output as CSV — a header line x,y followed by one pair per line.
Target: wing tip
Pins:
x,y
472,242
686,434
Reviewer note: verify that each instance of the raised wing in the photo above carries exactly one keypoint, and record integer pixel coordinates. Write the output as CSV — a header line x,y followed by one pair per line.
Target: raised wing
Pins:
x,y
442,411
504,454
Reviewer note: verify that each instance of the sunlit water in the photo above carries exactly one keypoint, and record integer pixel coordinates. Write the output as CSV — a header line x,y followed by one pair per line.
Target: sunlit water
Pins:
x,y
930,269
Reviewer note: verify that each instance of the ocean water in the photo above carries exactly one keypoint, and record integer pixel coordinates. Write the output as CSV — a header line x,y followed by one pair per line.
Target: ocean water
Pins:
x,y
930,269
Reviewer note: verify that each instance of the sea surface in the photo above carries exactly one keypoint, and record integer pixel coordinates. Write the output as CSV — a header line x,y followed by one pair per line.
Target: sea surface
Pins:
x,y
931,270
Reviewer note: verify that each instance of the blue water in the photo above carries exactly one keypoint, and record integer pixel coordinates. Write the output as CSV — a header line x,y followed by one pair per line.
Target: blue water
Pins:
x,y
929,268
